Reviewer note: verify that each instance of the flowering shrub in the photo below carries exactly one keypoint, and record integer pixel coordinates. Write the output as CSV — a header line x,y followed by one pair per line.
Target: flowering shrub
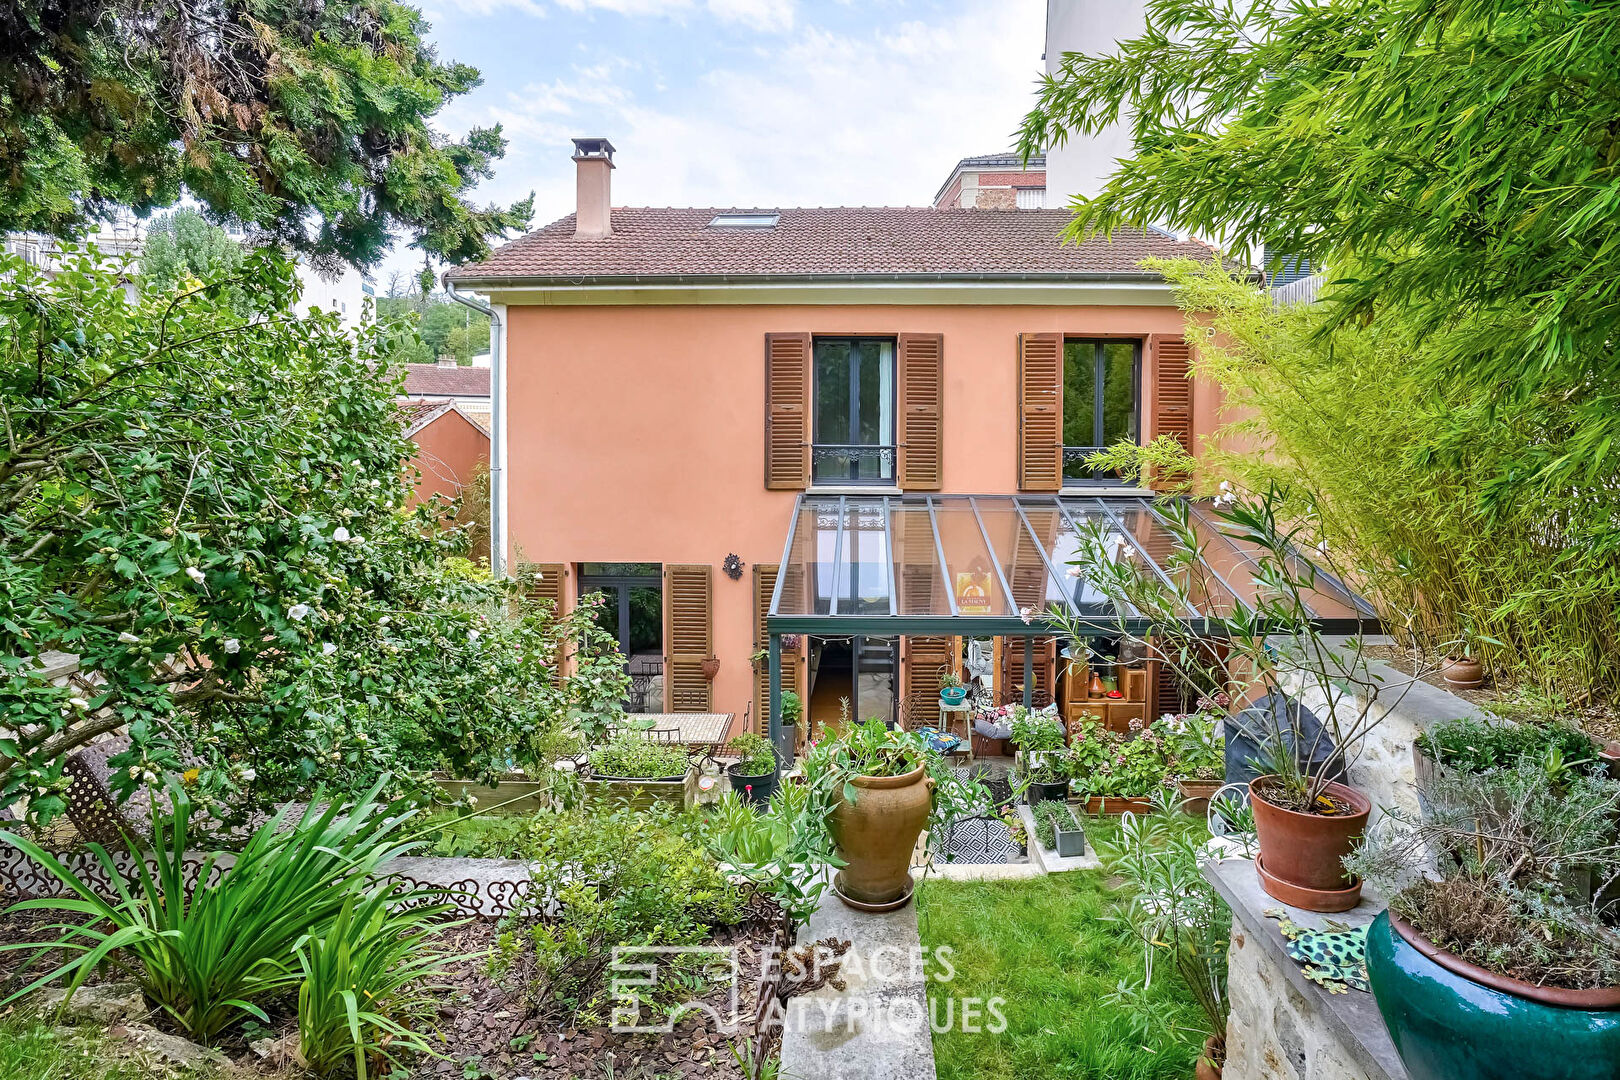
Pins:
x,y
1104,763
1195,751
208,506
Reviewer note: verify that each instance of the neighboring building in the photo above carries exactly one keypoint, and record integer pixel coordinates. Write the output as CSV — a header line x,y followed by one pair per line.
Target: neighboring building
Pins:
x,y
466,387
672,381
344,293
450,447
1084,162
994,182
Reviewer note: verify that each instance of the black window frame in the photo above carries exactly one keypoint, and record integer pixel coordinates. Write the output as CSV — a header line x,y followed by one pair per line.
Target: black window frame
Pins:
x,y
1099,368
889,453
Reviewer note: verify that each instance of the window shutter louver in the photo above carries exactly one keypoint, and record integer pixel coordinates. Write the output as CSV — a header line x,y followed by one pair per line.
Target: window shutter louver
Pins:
x,y
764,585
1012,675
1172,390
688,636
787,411
925,660
921,362
544,581
1040,412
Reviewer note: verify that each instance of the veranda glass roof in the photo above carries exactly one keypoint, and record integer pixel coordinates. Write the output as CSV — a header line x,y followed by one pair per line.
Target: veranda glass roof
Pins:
x,y
969,564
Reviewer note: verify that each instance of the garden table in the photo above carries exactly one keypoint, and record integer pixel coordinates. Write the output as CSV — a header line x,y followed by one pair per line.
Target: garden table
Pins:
x,y
692,729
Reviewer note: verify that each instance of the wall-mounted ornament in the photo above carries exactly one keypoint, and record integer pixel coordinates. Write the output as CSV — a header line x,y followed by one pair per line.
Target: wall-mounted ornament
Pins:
x,y
733,567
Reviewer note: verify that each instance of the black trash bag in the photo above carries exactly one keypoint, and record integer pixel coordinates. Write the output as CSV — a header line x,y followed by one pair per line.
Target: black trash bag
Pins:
x,y
1247,733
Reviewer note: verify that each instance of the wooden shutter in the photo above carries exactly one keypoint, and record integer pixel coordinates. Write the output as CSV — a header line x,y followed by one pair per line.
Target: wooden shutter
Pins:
x,y
764,585
787,411
688,637
1172,390
924,660
544,581
921,363
1012,671
1040,412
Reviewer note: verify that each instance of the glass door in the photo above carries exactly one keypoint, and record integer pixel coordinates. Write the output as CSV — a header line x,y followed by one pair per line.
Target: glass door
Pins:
x,y
633,613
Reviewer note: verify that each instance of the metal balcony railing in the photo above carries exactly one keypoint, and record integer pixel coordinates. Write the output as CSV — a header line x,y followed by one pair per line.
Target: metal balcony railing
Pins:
x,y
852,463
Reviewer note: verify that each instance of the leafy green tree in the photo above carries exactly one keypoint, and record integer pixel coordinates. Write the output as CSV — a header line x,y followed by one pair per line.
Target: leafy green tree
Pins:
x,y
309,122
1457,159
183,246
209,508
442,328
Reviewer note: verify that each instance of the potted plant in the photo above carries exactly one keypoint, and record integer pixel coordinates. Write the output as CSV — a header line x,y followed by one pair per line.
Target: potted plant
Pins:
x,y
1461,668
1058,830
1196,756
1048,776
1273,653
1486,944
753,775
951,690
1114,772
877,788
1034,730
710,667
633,766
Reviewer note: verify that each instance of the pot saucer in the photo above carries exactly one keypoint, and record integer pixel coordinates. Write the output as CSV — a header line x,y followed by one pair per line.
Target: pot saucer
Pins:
x,y
1326,901
862,905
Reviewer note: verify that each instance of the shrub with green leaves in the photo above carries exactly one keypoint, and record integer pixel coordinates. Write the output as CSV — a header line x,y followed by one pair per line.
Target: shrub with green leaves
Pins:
x,y
754,753
209,506
1471,744
208,957
632,754
605,877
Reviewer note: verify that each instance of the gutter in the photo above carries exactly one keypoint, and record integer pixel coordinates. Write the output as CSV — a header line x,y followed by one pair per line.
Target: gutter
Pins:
x,y
523,280
497,423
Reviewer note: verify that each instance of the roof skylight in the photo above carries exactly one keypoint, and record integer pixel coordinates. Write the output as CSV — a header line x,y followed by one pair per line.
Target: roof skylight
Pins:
x,y
744,221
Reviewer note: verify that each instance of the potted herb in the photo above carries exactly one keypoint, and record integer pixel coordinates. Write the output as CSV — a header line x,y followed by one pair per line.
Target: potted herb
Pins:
x,y
1048,776
1058,830
951,690
877,788
1475,745
1486,944
636,767
1461,668
753,775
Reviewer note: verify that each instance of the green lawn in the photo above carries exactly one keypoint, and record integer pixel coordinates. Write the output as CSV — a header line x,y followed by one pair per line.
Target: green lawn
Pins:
x,y
1045,946
32,1050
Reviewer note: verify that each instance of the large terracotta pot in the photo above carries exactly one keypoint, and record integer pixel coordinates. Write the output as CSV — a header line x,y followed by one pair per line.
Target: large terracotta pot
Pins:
x,y
1450,1020
877,833
1463,672
1301,854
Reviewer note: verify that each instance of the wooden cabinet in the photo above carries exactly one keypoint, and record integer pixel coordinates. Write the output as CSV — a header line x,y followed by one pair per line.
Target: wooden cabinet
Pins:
x,y
1114,713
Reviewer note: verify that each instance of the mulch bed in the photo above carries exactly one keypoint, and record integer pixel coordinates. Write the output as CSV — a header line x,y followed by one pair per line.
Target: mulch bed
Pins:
x,y
480,1020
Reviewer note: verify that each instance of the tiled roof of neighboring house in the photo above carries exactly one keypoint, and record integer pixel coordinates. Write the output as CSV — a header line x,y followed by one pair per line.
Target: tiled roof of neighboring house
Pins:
x,y
1002,161
431,380
650,245
419,413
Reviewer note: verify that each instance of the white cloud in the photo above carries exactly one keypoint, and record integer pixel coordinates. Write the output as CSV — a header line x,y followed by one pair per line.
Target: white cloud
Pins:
x,y
767,15
826,119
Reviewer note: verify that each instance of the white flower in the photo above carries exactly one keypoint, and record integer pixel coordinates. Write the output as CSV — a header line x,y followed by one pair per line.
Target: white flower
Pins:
x,y
1226,485
128,638
1024,613
1074,571
249,775
134,772
78,703
327,649
340,534
385,620
376,483
1321,548
472,635
359,539
196,575
232,646
472,800
298,612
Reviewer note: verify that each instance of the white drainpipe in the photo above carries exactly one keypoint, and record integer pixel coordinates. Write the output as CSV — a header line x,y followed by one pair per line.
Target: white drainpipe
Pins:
x,y
497,412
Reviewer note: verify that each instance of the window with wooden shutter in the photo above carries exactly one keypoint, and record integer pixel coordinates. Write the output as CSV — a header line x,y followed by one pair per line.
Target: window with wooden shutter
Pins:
x,y
924,660
1010,676
688,636
1172,390
764,584
787,411
922,411
1040,412
544,581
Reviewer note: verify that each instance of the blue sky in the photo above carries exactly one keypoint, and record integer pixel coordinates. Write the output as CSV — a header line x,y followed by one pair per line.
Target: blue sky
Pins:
x,y
740,102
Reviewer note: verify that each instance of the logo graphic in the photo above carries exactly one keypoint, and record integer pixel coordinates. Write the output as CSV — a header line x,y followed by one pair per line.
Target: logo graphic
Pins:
x,y
647,978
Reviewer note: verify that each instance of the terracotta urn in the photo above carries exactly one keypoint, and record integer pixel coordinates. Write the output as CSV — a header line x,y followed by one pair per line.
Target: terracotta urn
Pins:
x,y
711,667
1463,672
1301,854
876,835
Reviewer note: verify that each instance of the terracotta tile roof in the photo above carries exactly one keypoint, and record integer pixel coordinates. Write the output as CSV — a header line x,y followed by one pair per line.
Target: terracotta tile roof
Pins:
x,y
413,415
838,242
431,380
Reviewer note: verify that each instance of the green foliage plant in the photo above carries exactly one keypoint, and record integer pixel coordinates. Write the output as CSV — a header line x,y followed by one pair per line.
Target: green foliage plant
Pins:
x,y
1474,744
755,756
313,126
784,852
632,754
1192,747
606,876
211,956
1109,764
363,997
1177,917
210,506
1050,816
1033,730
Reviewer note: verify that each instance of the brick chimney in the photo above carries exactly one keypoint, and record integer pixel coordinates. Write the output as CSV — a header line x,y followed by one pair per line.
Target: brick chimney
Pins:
x,y
593,212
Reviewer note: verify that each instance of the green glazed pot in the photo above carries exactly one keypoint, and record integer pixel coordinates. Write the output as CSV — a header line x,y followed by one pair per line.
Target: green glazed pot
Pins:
x,y
1448,1027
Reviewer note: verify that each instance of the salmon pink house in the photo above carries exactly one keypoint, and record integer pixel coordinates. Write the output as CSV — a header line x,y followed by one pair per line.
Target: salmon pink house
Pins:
x,y
739,424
